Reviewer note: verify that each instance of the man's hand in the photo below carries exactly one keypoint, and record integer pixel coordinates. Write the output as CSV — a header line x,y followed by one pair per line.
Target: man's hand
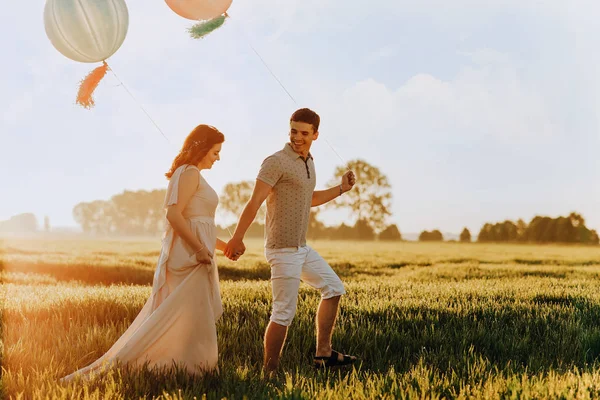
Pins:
x,y
348,181
235,249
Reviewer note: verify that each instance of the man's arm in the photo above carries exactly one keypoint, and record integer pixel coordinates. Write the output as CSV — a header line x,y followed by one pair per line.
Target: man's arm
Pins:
x,y
320,197
260,193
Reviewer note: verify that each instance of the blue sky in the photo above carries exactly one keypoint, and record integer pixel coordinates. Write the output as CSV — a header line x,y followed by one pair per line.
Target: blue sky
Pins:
x,y
477,111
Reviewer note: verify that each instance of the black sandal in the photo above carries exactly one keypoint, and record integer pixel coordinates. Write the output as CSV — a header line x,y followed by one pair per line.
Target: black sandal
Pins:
x,y
333,361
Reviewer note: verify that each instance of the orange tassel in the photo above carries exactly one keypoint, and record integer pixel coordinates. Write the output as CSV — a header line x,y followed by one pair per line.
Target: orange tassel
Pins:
x,y
89,84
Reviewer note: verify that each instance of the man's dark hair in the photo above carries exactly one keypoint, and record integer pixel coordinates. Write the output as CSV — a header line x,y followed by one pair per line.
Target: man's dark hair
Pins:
x,y
306,115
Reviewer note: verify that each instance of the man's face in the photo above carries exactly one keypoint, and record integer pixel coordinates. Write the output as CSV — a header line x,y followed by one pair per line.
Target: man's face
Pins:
x,y
302,135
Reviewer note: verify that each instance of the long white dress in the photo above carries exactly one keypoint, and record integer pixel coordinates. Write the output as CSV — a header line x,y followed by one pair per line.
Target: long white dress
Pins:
x,y
178,322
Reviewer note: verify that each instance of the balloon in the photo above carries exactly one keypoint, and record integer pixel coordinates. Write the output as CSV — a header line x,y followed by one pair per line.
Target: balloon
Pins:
x,y
86,30
199,9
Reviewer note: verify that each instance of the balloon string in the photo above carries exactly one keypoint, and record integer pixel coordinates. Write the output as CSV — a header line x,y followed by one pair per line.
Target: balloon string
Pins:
x,y
138,103
282,85
271,71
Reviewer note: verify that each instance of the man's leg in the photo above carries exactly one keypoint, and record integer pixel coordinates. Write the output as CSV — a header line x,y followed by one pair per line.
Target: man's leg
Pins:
x,y
317,273
275,335
286,267
325,320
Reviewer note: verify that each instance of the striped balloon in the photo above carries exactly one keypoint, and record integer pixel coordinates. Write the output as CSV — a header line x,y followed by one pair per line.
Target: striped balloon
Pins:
x,y
87,31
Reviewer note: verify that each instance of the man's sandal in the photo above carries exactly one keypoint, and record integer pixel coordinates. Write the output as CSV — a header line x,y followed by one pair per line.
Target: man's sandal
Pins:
x,y
333,361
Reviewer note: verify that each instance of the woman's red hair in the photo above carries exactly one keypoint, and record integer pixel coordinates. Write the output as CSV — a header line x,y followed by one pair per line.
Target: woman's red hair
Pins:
x,y
196,146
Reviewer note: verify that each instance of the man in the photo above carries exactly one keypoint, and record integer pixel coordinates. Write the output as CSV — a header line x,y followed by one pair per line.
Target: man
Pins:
x,y
286,181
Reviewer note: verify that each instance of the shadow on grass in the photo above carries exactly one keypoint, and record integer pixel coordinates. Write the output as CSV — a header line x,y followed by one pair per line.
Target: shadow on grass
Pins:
x,y
232,382
550,333
88,274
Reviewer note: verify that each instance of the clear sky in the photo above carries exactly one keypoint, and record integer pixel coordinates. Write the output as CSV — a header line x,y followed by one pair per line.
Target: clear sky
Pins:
x,y
476,110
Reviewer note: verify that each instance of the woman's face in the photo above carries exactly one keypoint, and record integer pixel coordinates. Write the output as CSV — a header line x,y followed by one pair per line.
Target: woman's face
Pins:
x,y
211,157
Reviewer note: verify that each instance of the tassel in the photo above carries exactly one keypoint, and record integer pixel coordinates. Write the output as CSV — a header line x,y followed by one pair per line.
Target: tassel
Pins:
x,y
89,84
203,28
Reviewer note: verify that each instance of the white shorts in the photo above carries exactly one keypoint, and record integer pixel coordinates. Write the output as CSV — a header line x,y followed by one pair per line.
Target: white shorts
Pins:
x,y
291,265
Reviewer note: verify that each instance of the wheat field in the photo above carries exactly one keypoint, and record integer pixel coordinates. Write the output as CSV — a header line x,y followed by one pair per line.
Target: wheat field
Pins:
x,y
427,320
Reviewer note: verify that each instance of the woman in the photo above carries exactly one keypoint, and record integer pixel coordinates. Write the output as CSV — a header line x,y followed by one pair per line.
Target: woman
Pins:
x,y
178,322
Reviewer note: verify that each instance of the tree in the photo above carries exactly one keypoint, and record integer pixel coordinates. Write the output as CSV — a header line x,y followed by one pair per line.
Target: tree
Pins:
x,y
465,235
316,228
46,224
505,231
370,199
82,217
433,236
95,217
521,230
594,238
344,232
364,231
541,229
26,222
234,197
485,233
138,213
390,233
582,233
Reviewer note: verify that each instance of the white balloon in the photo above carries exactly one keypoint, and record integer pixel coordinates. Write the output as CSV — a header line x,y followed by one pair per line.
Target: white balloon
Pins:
x,y
86,30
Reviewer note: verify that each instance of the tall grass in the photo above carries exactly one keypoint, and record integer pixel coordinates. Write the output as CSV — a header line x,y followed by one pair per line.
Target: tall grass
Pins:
x,y
426,320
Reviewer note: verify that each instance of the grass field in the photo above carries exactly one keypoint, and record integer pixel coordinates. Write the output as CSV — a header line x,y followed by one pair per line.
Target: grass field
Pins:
x,y
445,320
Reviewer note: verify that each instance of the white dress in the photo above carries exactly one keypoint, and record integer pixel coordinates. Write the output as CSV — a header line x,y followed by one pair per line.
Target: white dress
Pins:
x,y
178,322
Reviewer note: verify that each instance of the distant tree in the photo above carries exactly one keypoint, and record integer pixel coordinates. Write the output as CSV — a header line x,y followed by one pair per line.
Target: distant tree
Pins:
x,y
81,215
137,212
156,211
20,223
364,231
583,234
234,197
594,239
390,233
485,233
541,229
95,217
465,235
46,224
370,199
127,213
344,232
521,230
508,231
433,236
564,231
505,231
316,228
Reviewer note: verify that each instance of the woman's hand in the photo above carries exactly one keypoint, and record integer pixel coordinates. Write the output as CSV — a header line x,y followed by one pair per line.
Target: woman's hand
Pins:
x,y
204,256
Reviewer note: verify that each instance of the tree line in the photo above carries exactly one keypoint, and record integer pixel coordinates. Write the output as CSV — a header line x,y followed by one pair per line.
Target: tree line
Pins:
x,y
541,229
140,212
369,203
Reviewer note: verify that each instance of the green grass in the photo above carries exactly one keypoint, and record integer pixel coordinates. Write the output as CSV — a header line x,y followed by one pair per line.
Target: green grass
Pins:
x,y
444,320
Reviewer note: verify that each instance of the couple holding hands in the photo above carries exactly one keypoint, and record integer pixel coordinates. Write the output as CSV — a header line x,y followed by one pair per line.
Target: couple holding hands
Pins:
x,y
177,324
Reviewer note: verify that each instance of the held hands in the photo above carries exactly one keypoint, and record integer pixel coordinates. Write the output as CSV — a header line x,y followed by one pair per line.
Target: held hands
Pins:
x,y
235,249
348,181
204,256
